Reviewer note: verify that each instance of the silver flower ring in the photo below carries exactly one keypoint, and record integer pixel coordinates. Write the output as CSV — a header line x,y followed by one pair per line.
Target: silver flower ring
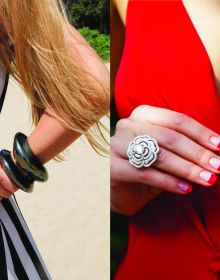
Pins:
x,y
142,151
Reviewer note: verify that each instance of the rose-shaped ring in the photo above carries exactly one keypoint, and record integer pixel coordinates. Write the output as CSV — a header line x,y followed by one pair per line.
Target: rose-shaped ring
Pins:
x,y
142,151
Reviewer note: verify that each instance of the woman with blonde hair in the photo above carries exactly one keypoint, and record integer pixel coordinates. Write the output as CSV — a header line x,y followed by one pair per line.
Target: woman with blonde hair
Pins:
x,y
67,86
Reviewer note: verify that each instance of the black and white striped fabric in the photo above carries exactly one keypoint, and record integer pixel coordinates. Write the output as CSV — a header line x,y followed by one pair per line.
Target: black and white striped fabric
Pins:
x,y
19,256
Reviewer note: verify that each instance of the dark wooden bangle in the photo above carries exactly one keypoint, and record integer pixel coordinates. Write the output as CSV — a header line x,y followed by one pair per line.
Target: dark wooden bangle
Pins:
x,y
25,183
26,159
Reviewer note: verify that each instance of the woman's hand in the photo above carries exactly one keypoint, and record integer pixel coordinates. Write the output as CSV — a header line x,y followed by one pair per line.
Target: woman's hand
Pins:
x,y
7,187
187,154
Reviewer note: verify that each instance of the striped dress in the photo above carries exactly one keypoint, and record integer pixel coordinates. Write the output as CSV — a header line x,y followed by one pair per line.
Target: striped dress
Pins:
x,y
19,256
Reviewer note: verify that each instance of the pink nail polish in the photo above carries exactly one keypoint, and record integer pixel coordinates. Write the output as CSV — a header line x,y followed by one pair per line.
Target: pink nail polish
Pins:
x,y
184,187
208,177
215,141
215,163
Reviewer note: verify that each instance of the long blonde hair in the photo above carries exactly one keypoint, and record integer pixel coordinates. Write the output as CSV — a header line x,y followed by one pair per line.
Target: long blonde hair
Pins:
x,y
34,50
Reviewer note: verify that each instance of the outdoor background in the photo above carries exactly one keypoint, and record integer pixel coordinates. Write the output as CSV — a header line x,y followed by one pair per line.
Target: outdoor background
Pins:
x,y
91,18
68,215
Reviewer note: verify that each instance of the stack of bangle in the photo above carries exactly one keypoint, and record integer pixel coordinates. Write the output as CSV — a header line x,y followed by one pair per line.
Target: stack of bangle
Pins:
x,y
24,160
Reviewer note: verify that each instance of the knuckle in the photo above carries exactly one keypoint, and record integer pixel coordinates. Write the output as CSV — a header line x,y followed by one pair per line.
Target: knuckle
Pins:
x,y
200,155
162,156
165,181
123,124
138,111
189,170
180,119
171,138
203,132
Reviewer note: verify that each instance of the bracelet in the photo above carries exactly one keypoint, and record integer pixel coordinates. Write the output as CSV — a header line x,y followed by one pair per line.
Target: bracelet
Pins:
x,y
26,183
26,159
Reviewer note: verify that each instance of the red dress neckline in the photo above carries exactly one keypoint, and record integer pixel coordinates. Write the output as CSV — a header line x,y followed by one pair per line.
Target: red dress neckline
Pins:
x,y
165,64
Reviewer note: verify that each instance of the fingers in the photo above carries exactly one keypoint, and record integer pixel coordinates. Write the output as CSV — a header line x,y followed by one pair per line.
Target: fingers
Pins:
x,y
172,141
178,122
181,145
5,193
173,164
122,171
7,188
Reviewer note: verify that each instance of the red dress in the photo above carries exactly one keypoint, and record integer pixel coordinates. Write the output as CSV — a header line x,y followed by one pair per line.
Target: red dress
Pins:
x,y
165,64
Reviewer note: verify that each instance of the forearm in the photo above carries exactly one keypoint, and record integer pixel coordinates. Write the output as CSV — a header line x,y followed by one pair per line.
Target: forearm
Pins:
x,y
50,137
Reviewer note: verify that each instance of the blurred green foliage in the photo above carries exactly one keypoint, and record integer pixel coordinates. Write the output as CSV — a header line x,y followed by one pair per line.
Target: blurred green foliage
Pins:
x,y
100,42
92,19
92,13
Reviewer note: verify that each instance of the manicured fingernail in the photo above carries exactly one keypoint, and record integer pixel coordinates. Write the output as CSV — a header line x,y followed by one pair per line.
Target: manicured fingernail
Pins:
x,y
215,141
208,177
215,163
184,187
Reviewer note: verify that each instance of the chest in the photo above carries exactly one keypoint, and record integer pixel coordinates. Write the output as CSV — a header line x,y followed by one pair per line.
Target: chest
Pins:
x,y
169,65
205,16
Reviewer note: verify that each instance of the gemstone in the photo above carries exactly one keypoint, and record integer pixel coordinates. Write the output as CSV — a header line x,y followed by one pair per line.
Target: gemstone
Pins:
x,y
139,149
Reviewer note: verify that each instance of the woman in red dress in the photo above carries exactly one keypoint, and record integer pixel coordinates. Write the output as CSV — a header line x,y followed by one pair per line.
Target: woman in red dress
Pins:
x,y
167,87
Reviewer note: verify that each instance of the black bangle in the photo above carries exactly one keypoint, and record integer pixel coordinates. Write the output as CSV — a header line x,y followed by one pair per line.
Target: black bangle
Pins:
x,y
26,183
25,158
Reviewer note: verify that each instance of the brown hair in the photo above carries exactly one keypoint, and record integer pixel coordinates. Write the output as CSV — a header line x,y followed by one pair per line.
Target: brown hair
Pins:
x,y
34,49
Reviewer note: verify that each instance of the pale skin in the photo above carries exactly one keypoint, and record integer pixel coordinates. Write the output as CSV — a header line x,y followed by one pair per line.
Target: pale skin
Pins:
x,y
50,137
131,188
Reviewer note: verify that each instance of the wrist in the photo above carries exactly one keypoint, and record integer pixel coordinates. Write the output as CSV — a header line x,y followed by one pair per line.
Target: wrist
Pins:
x,y
20,169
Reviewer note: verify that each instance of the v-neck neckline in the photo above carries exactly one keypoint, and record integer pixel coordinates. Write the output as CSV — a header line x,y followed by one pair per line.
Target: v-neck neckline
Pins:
x,y
206,54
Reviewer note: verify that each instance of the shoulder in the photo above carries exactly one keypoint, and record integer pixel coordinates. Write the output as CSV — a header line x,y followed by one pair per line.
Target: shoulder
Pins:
x,y
85,56
121,6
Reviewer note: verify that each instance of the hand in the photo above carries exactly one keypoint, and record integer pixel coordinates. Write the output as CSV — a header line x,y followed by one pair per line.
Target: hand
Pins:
x,y
7,187
187,154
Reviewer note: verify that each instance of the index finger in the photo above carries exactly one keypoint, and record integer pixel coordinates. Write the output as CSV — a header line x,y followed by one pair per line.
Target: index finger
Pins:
x,y
178,122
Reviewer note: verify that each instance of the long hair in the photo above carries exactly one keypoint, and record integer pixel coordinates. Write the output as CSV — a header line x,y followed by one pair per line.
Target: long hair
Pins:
x,y
35,51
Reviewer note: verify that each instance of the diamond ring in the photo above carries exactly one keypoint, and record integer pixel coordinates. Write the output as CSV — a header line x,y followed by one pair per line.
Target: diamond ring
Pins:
x,y
142,151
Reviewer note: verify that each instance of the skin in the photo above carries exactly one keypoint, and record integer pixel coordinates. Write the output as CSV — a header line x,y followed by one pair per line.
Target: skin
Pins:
x,y
131,188
50,137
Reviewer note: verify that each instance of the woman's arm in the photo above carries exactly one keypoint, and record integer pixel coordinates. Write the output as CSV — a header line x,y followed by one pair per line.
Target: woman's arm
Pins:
x,y
50,137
